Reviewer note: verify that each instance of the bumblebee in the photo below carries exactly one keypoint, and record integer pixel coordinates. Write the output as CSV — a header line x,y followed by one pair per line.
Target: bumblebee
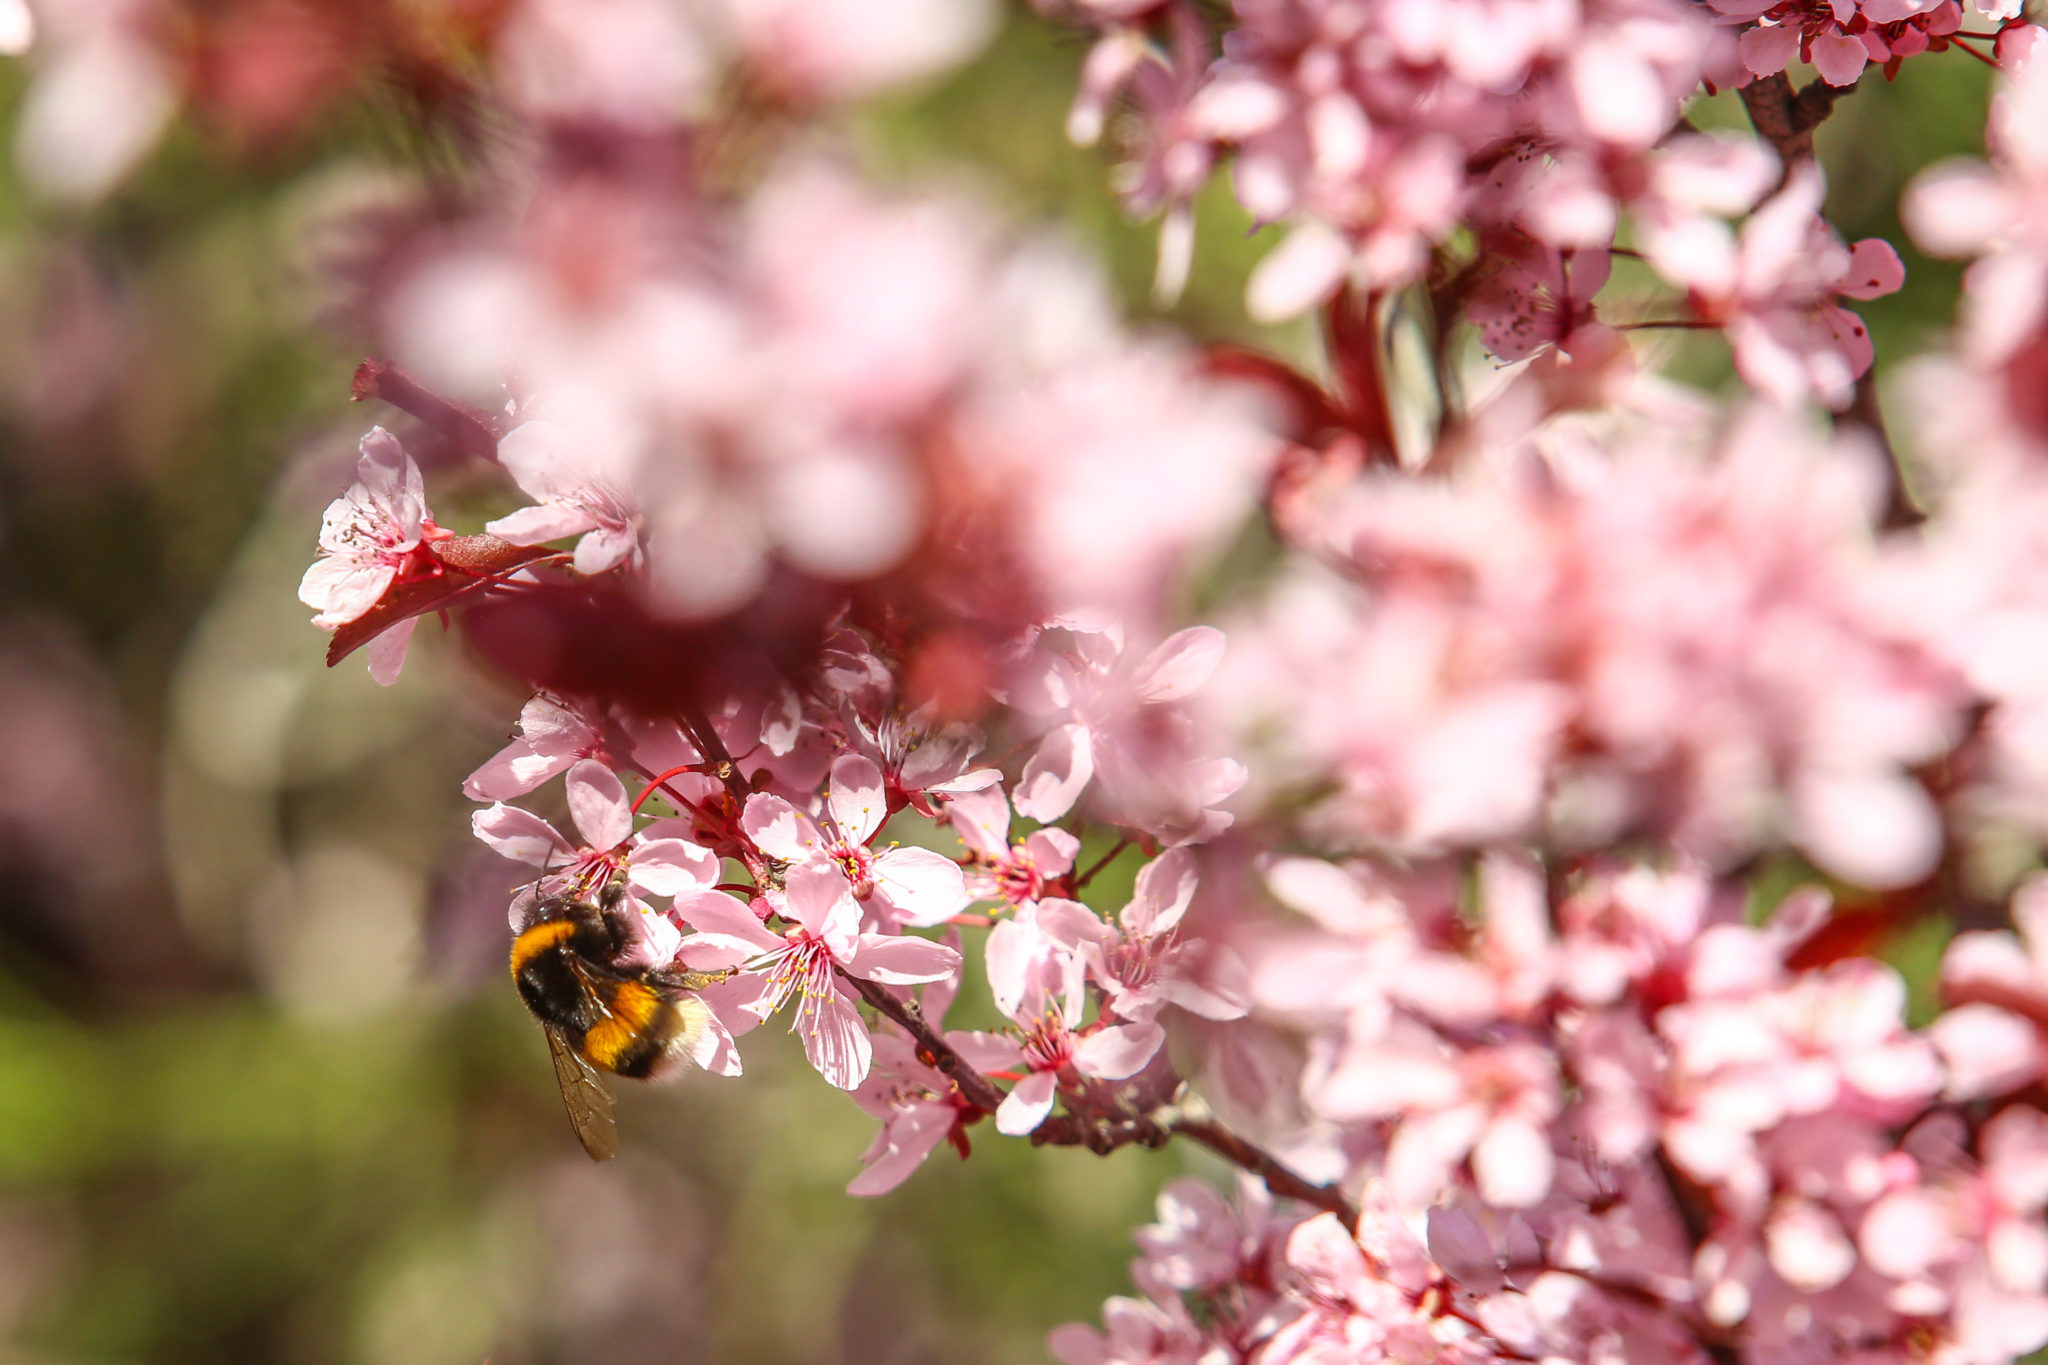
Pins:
x,y
598,1014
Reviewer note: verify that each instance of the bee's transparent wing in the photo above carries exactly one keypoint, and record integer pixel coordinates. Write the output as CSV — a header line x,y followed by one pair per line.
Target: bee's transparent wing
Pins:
x,y
588,1102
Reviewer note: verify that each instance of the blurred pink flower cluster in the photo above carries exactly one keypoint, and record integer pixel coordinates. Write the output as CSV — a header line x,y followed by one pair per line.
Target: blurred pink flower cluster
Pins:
x,y
1577,644
1383,133
1620,1123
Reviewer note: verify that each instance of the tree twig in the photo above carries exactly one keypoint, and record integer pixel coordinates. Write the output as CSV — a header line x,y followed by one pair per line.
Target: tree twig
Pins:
x,y
1263,1164
1106,1134
470,430
1786,118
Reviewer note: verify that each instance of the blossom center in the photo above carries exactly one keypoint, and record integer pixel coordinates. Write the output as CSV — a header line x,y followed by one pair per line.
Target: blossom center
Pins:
x,y
802,967
1048,1045
857,861
1017,876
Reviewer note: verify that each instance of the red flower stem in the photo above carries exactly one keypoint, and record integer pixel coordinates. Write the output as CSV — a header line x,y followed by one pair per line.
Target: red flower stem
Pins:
x,y
658,783
1969,51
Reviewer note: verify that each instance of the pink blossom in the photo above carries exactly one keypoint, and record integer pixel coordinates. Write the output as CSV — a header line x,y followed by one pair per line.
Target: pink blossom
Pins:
x,y
1792,340
368,535
1826,1041
1488,620
1350,1311
845,49
575,499
901,886
17,27
1839,36
101,96
1015,873
633,64
552,736
1491,1104
1037,983
1123,725
370,538
1998,980
1143,963
806,962
1995,210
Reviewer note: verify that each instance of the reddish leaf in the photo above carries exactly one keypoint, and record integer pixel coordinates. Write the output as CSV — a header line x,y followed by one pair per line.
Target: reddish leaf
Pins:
x,y
437,574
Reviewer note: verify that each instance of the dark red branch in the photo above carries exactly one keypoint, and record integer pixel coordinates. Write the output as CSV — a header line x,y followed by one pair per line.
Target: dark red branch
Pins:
x,y
471,430
1263,1164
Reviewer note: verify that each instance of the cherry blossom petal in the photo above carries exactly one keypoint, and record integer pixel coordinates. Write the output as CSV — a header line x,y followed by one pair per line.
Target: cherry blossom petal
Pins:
x,y
1427,1147
1512,1164
1073,925
1807,1246
1180,665
521,836
713,913
713,1048
551,739
1298,274
987,1052
1904,1233
1165,889
1457,1243
927,888
981,818
342,589
780,830
818,898
1119,1051
901,1148
1838,58
605,547
1054,777
1027,1104
597,804
1767,51
668,867
538,525
386,653
1874,270
1986,1051
837,1045
1957,208
902,960
1052,850
856,798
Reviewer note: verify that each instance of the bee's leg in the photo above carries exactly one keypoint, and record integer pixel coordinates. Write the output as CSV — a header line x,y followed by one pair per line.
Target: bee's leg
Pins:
x,y
683,978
